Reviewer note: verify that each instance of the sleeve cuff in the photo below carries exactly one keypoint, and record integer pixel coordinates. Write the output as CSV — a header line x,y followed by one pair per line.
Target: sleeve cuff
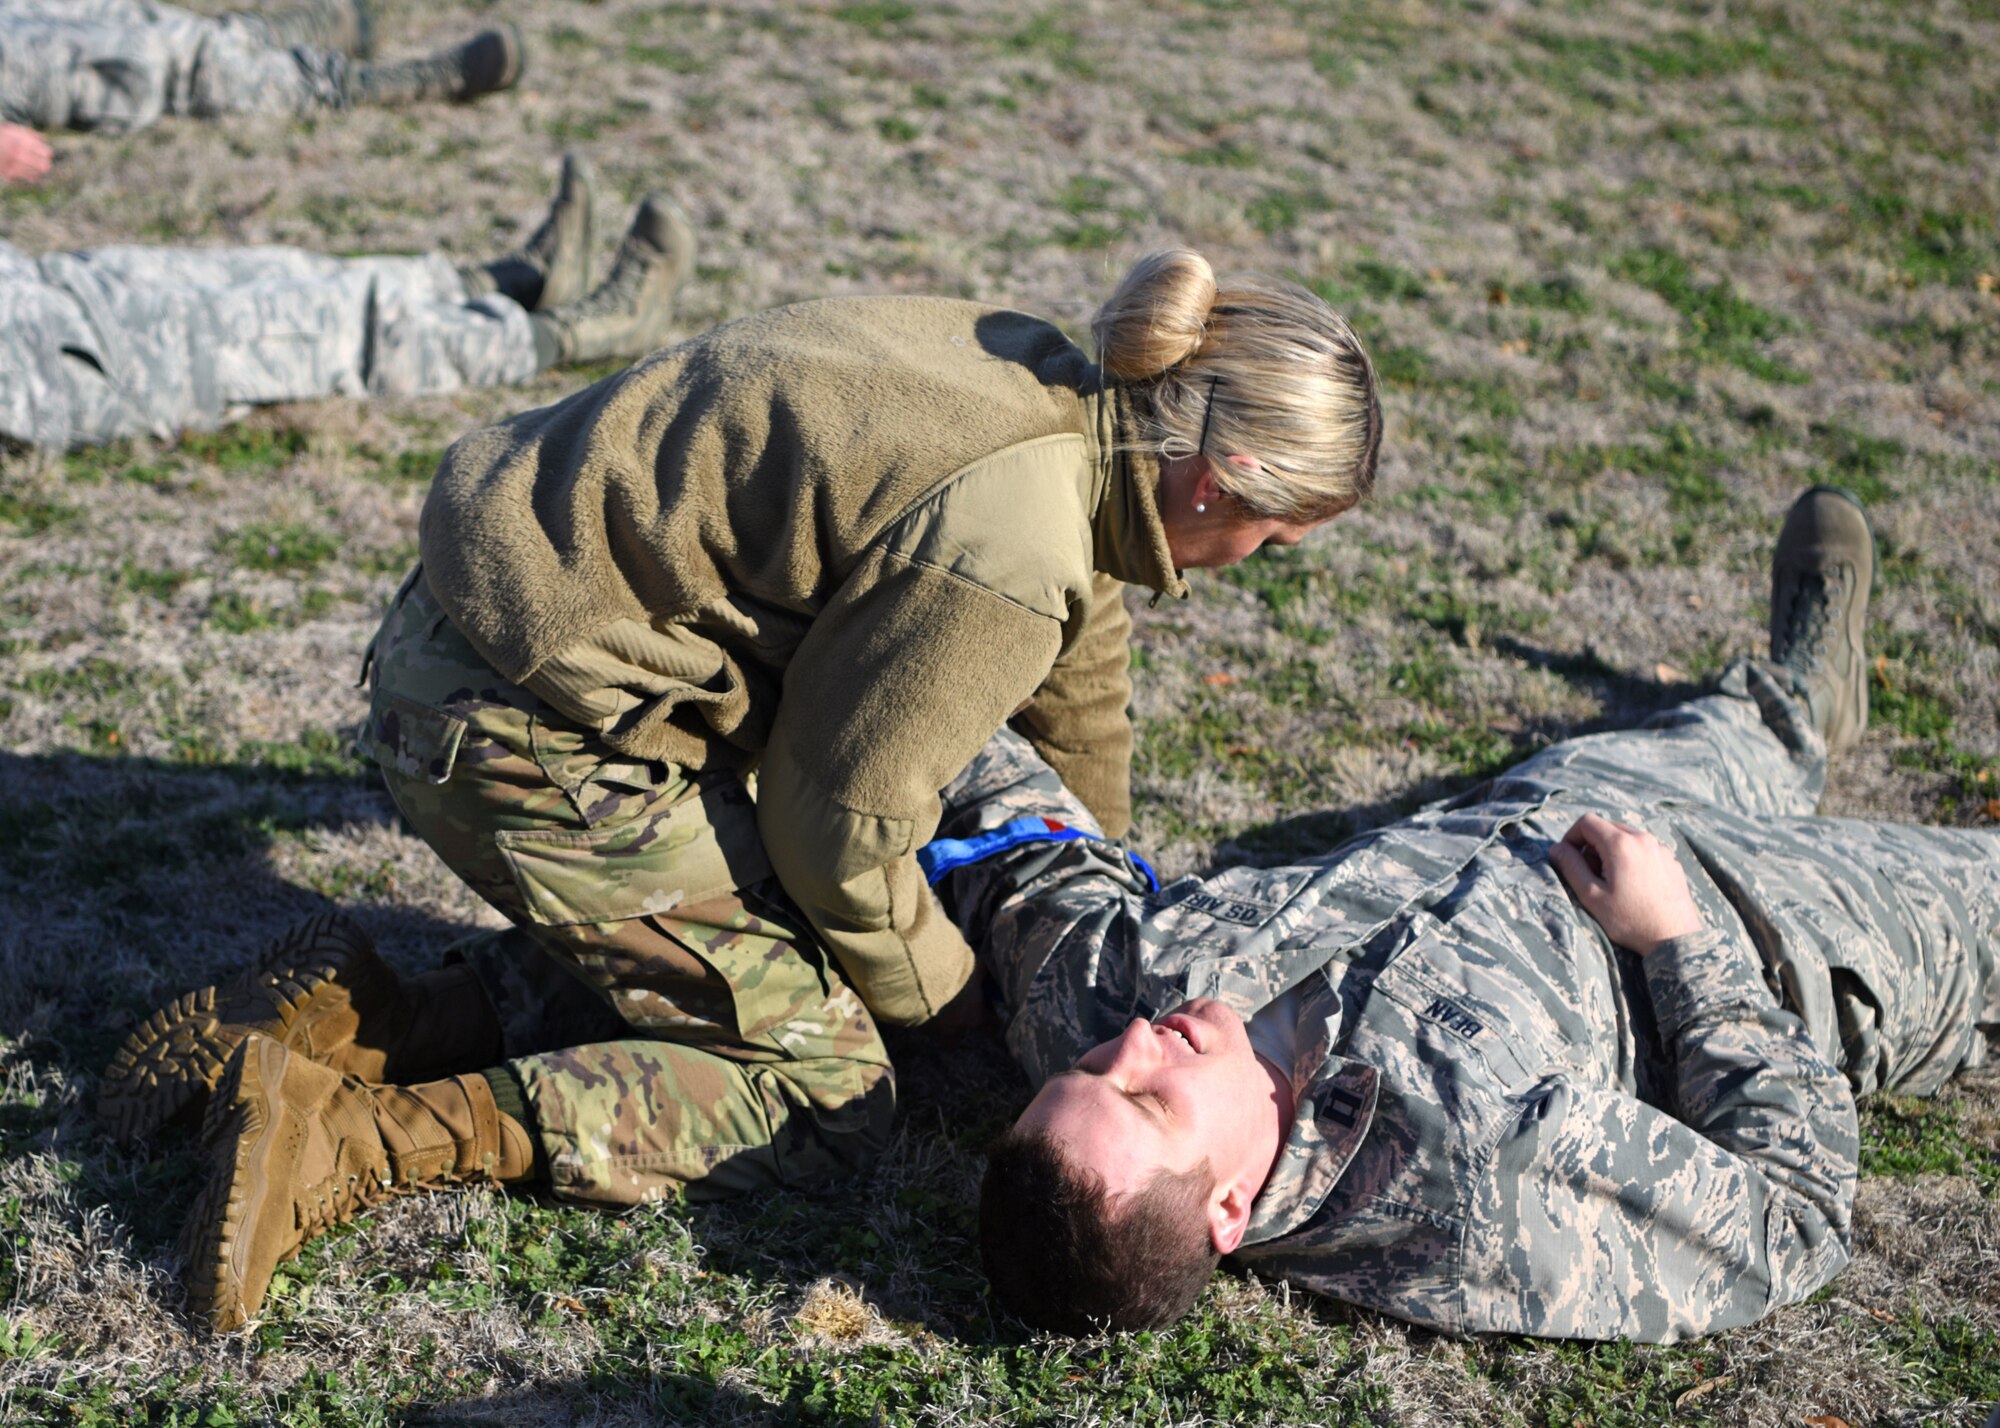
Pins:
x,y
1701,973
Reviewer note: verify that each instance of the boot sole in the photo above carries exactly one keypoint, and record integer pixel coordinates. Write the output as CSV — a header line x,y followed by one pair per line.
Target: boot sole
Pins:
x,y
164,1072
238,1133
513,63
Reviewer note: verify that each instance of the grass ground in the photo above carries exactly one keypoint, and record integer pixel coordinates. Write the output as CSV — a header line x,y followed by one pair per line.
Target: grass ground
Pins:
x,y
1633,274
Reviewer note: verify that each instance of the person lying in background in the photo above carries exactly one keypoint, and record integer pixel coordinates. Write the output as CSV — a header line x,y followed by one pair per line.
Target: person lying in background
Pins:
x,y
133,340
1574,1054
122,65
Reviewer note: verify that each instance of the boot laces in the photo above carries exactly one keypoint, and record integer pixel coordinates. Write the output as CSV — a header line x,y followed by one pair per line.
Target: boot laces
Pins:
x,y
439,73
337,1199
427,76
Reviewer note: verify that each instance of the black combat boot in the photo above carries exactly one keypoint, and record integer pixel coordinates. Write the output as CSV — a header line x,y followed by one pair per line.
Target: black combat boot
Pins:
x,y
491,60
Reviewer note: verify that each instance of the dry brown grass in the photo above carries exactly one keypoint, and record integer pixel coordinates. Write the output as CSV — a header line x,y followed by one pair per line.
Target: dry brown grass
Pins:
x,y
1635,274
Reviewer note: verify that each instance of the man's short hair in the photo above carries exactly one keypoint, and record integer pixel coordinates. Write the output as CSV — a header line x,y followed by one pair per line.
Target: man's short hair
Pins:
x,y
1064,1256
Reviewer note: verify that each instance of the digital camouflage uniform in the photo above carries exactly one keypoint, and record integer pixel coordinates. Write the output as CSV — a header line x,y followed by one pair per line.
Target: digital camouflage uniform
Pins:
x,y
1505,1123
128,340
669,1018
122,64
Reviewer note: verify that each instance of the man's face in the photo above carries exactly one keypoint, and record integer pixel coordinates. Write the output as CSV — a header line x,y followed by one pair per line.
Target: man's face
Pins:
x,y
1165,1095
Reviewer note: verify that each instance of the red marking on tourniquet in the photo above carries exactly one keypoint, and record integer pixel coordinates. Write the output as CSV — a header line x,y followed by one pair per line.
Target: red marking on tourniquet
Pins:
x,y
1055,827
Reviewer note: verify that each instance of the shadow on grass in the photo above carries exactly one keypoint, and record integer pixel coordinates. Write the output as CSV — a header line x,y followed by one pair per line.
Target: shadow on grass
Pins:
x,y
1623,698
129,881
665,1397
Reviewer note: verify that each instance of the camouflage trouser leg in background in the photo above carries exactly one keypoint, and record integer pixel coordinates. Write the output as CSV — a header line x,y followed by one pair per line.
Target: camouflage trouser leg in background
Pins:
x,y
182,335
288,325
670,1019
121,64
1883,937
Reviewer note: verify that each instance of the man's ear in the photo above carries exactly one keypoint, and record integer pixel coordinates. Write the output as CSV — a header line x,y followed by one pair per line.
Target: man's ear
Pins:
x,y
1229,1209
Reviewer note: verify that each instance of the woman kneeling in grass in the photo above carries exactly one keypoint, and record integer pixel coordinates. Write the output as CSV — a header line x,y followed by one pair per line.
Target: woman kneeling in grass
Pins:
x,y
686,661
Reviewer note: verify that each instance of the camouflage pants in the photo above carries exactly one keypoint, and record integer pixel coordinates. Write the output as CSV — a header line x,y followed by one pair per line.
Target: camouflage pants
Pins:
x,y
129,340
672,1021
1883,937
121,64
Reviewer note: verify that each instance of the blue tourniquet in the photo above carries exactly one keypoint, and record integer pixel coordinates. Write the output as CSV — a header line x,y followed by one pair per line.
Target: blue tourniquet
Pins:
x,y
944,855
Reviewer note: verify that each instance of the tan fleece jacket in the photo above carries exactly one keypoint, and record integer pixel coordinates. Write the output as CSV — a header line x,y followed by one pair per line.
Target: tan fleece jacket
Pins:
x,y
845,540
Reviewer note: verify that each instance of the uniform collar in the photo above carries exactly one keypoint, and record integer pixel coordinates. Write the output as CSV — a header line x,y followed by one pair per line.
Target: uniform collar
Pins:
x,y
1129,539
1335,1107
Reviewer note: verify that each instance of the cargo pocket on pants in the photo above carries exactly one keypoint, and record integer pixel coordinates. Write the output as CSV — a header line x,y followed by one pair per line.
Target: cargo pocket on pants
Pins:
x,y
413,739
647,910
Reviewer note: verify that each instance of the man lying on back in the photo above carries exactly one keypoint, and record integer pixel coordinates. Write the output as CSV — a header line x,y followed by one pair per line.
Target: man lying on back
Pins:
x,y
1572,1055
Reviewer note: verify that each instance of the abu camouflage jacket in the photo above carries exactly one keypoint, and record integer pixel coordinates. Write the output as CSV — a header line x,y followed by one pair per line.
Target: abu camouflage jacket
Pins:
x,y
1504,1123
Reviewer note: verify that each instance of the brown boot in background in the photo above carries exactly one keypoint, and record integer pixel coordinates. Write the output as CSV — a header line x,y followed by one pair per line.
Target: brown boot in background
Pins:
x,y
321,989
295,1148
1821,572
553,266
632,311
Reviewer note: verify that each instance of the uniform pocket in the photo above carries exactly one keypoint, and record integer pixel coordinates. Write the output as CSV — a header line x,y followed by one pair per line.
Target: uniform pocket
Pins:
x,y
414,739
648,910
691,851
1468,1014
603,786
1472,988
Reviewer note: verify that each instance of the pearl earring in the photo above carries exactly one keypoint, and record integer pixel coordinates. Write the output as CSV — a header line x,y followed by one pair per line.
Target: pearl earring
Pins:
x,y
1200,506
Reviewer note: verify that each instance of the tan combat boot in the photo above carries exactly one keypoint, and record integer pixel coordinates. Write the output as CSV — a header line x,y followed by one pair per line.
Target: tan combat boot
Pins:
x,y
632,312
344,25
321,989
491,60
1820,576
295,1147
553,266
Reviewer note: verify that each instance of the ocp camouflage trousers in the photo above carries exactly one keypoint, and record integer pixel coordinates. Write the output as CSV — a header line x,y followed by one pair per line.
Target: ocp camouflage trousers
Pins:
x,y
122,64
673,1022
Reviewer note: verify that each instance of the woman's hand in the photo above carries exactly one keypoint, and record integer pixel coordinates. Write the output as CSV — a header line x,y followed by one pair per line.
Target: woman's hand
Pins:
x,y
1628,880
24,154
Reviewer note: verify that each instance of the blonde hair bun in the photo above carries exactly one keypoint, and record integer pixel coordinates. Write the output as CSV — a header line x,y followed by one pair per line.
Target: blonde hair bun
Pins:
x,y
1158,318
1254,366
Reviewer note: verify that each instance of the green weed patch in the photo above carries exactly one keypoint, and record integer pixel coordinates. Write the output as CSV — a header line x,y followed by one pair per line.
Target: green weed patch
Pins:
x,y
1723,326
32,515
1910,1135
281,547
